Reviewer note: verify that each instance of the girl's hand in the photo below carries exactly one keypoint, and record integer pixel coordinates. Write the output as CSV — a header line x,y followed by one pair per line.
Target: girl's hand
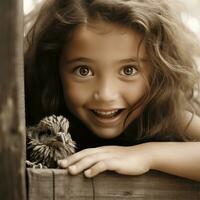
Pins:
x,y
134,160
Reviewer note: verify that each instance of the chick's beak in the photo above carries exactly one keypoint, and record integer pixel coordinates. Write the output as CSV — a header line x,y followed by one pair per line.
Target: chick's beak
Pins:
x,y
61,137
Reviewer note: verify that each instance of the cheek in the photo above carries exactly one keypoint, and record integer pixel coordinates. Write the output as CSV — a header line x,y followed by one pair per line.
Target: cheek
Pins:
x,y
73,94
136,91
136,98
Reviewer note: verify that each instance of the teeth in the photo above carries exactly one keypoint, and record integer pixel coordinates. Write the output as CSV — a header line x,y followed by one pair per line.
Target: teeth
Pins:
x,y
108,113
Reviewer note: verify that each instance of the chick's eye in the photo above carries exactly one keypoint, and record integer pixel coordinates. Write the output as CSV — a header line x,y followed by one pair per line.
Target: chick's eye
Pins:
x,y
129,70
45,133
48,132
83,71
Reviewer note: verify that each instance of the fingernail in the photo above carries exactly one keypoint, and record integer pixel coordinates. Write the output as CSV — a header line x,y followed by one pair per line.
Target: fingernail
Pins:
x,y
72,169
62,163
88,173
59,162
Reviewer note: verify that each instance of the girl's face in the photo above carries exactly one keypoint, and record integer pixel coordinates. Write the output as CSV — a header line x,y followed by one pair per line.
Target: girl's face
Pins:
x,y
102,79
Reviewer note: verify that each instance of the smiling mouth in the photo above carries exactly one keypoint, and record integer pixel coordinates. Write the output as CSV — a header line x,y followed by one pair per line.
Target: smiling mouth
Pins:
x,y
107,114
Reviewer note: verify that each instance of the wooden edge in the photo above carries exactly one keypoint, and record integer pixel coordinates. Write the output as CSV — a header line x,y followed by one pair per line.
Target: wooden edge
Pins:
x,y
57,184
150,186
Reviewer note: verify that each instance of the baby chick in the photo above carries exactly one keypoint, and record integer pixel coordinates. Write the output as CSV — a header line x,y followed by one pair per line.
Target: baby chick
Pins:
x,y
48,142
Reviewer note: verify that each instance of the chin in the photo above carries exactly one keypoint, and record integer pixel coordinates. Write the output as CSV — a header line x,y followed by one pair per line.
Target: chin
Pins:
x,y
106,134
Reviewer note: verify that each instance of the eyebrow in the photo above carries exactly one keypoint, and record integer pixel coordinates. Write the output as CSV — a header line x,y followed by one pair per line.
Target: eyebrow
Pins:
x,y
134,59
79,59
84,59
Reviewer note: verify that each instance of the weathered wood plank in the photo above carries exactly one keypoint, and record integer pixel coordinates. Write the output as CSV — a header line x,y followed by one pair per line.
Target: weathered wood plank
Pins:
x,y
69,187
12,126
150,186
40,184
55,184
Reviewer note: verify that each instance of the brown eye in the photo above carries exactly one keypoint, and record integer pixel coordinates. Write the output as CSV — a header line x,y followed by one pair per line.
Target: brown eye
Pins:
x,y
129,71
83,71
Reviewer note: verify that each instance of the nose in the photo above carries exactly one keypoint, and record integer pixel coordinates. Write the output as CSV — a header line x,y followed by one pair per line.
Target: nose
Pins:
x,y
106,90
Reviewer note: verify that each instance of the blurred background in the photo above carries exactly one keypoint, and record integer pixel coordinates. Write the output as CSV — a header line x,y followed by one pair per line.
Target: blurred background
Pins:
x,y
191,16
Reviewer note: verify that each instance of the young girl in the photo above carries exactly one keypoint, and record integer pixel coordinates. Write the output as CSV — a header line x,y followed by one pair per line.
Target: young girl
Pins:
x,y
123,72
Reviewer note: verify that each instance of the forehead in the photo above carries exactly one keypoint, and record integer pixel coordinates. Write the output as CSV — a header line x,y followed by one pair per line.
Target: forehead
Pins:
x,y
102,37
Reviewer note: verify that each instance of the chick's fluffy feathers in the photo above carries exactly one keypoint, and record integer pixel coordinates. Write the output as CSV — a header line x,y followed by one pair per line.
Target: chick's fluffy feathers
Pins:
x,y
49,141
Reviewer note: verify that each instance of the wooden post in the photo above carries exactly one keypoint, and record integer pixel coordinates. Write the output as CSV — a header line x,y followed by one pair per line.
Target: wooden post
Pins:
x,y
12,126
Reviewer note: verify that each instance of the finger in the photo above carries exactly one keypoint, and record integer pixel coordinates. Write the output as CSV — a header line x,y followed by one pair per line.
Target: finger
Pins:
x,y
87,162
107,164
64,163
81,154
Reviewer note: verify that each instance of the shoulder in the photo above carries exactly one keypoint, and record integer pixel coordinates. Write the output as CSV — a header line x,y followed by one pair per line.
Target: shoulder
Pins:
x,y
191,125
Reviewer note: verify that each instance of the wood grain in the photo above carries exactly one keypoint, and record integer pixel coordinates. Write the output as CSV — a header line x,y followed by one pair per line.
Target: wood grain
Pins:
x,y
151,186
40,185
12,126
72,187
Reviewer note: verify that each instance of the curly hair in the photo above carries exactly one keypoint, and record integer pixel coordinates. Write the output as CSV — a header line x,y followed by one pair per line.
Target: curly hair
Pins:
x,y
170,46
